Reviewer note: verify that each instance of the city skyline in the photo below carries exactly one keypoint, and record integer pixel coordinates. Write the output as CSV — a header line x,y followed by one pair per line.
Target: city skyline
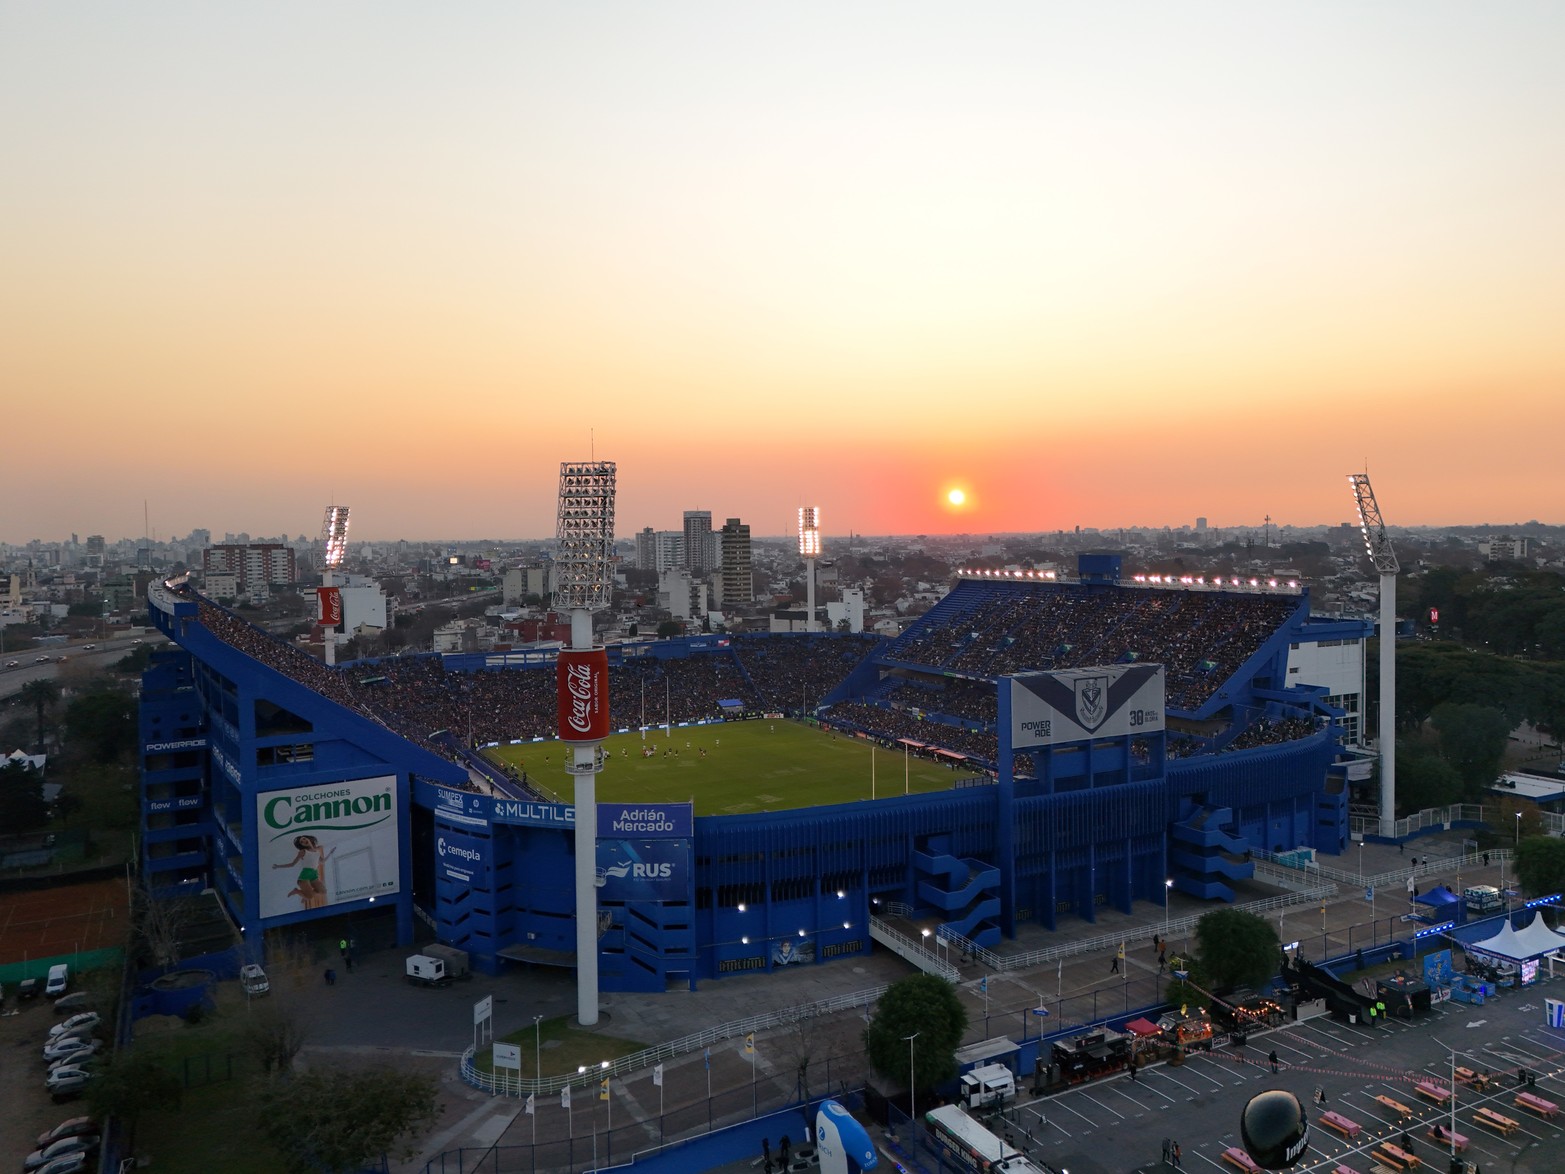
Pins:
x,y
1086,266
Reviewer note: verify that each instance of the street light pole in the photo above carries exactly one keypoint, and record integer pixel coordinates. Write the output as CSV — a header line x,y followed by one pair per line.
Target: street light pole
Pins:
x,y
912,1086
1167,885
537,1047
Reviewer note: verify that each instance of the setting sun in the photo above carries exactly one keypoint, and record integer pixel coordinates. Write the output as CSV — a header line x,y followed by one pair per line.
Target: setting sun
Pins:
x,y
956,497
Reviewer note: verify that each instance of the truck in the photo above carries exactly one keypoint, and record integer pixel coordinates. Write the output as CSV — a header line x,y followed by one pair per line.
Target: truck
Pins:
x,y
455,960
1482,898
989,1084
426,971
254,981
972,1147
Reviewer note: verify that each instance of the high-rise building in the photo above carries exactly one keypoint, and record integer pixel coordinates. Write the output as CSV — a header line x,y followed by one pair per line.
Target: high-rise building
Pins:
x,y
256,566
646,548
698,542
736,580
668,551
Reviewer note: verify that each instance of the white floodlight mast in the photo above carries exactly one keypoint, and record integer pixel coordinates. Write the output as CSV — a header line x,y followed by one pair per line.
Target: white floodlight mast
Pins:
x,y
809,550
583,575
1378,545
334,549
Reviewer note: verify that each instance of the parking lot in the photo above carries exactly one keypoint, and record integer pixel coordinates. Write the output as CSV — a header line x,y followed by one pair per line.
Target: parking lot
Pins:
x,y
1119,1124
25,1109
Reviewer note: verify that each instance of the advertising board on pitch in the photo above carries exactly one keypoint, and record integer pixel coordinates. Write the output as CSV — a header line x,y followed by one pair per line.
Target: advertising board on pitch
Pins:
x,y
327,845
1076,704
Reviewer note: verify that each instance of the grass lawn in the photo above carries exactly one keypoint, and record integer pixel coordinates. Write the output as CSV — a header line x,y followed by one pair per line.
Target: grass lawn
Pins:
x,y
749,766
563,1048
214,1127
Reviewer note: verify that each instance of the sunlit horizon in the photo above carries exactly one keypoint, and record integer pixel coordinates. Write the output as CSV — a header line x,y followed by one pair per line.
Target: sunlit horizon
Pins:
x,y
1097,267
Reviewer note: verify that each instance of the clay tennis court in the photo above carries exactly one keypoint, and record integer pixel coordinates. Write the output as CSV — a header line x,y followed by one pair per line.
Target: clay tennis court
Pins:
x,y
72,919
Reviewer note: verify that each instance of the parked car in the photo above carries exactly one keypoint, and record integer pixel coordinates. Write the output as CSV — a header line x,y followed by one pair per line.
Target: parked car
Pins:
x,y
83,1144
70,1164
88,1063
64,1083
254,981
70,1004
69,1045
83,1021
29,988
59,979
70,1127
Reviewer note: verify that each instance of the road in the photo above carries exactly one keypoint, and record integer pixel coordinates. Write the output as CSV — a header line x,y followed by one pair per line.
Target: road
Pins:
x,y
103,654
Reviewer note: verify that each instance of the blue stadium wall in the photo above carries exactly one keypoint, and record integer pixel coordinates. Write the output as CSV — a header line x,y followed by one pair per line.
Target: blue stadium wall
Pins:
x,y
766,891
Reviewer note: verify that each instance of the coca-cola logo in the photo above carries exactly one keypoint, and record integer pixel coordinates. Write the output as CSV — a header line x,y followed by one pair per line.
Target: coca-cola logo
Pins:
x,y
578,684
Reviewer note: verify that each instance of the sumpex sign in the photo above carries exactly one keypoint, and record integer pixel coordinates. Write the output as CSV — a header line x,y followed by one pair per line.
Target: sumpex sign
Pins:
x,y
662,821
1078,704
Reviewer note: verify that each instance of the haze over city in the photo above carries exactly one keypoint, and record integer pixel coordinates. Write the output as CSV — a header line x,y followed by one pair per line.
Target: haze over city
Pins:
x,y
1095,266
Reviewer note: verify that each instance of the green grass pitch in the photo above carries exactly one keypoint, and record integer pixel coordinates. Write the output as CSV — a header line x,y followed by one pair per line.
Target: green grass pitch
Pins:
x,y
749,766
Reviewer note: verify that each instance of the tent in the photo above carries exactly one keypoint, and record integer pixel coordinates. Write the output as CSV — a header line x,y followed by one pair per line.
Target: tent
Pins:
x,y
1443,904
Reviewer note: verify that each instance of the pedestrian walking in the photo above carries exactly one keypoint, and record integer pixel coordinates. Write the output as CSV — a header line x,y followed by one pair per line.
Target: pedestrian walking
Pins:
x,y
1114,964
1486,860
347,960
1168,1151
331,977
766,1155
1179,1157
1161,954
1132,1068
1273,1060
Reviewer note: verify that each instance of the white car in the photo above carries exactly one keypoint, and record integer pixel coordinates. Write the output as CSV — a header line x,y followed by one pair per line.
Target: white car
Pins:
x,y
83,1144
70,1127
77,1024
69,1164
66,1046
64,1083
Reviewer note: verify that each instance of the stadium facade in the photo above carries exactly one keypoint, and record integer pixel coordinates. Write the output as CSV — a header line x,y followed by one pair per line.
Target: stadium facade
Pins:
x,y
1104,737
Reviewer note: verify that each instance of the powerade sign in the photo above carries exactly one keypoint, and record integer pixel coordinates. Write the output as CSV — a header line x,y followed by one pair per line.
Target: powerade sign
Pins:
x,y
663,821
182,744
1078,704
460,858
643,870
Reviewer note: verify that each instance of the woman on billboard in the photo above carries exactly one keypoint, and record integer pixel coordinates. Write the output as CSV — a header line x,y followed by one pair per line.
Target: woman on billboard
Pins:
x,y
311,885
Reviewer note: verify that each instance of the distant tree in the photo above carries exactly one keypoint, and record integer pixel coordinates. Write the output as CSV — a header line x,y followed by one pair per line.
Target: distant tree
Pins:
x,y
1540,864
929,1006
132,1083
1237,948
91,607
103,723
339,1120
22,808
1424,778
1472,740
41,695
272,1033
67,805
670,628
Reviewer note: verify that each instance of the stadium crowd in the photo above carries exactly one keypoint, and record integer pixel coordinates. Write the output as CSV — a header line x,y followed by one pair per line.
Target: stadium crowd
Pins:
x,y
1271,731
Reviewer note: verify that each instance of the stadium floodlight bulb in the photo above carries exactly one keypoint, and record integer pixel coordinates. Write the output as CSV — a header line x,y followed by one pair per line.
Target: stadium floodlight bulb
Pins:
x,y
585,531
809,531
1377,544
334,536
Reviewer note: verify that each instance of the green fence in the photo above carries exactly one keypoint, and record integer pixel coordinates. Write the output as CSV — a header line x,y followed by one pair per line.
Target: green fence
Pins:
x,y
14,972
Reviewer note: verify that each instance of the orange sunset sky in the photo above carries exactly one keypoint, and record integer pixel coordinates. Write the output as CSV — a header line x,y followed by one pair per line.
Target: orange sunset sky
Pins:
x,y
1096,264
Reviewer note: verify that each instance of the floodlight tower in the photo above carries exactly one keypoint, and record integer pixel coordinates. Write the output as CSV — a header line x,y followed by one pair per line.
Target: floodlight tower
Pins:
x,y
1378,545
583,574
334,548
809,550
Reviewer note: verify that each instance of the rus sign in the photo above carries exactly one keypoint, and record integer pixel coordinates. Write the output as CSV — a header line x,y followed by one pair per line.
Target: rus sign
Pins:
x,y
582,683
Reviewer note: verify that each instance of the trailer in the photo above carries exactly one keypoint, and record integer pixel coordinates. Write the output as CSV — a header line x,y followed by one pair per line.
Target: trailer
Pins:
x,y
455,960
422,970
973,1147
990,1084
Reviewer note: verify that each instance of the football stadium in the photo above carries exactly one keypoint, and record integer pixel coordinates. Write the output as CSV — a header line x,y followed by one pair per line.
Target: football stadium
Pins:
x,y
1032,749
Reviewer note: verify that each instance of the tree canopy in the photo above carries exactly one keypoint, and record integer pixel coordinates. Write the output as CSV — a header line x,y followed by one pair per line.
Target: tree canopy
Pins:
x,y
1540,864
132,1083
928,1006
341,1120
1472,740
1237,948
103,722
22,808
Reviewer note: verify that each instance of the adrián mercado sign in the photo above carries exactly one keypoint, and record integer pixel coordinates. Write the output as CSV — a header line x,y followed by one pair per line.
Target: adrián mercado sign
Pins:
x,y
327,845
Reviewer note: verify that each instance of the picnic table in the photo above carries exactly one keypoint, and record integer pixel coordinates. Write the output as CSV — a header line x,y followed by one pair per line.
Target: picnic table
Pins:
x,y
1527,1100
1433,1091
1396,1157
1336,1121
1240,1160
1496,1121
1443,1137
1395,1106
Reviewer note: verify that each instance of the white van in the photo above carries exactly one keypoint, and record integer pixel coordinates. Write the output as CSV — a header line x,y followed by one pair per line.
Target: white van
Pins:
x,y
990,1084
59,979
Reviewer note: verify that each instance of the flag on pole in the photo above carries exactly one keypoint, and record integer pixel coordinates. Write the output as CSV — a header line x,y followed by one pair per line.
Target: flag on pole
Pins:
x,y
707,1056
983,984
565,1097
749,1044
657,1076
603,1089
530,1097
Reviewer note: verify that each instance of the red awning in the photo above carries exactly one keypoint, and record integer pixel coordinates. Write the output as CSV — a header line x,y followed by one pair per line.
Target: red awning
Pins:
x,y
1141,1027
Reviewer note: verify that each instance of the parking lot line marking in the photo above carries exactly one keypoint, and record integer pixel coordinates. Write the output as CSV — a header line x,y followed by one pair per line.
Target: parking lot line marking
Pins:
x,y
1101,1105
1083,1116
